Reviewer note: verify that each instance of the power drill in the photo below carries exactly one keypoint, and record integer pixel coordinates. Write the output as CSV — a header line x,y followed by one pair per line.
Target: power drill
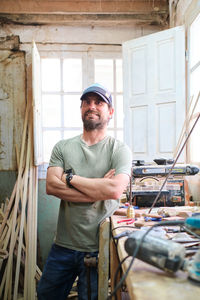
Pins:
x,y
165,254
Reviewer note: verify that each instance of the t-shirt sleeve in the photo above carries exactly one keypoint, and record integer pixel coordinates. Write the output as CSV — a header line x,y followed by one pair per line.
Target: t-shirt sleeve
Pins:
x,y
122,160
56,159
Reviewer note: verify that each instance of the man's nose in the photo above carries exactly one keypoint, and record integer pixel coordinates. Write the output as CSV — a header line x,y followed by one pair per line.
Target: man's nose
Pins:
x,y
92,105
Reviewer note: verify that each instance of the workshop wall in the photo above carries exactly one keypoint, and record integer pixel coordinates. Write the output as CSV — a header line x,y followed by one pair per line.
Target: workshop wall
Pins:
x,y
46,36
183,12
15,83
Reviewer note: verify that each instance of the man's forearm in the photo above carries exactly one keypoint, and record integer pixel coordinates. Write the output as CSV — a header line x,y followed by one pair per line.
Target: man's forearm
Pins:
x,y
101,188
58,188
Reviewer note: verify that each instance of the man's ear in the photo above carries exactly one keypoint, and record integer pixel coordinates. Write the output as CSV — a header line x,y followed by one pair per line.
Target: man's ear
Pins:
x,y
111,112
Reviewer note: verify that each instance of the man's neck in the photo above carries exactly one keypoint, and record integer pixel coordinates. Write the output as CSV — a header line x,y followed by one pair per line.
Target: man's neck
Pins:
x,y
94,136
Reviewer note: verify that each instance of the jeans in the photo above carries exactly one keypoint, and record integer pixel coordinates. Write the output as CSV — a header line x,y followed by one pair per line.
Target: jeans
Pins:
x,y
62,267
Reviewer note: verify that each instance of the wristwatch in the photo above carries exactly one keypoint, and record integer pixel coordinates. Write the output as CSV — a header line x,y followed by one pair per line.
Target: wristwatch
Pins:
x,y
69,177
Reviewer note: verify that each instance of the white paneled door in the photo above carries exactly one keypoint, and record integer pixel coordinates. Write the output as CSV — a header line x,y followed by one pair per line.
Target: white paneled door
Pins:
x,y
154,93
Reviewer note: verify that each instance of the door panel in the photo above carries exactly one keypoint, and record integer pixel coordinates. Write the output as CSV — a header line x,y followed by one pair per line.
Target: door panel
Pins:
x,y
154,93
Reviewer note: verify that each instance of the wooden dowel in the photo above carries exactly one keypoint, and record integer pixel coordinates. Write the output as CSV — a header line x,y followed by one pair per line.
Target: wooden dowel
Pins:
x,y
189,117
23,202
13,240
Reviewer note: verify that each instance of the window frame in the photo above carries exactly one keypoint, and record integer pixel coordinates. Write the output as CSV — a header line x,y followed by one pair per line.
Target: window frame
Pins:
x,y
88,53
191,98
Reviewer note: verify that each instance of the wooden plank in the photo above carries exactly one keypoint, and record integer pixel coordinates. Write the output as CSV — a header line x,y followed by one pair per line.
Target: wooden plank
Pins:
x,y
23,211
79,19
8,209
103,261
114,262
13,239
70,6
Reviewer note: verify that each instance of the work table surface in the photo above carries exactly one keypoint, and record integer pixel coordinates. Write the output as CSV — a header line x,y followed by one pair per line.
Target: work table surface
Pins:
x,y
146,282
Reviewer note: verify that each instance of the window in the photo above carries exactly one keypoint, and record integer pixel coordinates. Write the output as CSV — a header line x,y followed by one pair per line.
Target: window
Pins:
x,y
64,76
194,75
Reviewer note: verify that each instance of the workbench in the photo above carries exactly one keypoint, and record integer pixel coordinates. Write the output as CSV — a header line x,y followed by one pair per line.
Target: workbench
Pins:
x,y
145,282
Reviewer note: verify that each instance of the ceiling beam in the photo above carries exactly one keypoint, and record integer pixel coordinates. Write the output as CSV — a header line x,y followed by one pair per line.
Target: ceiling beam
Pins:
x,y
83,6
85,19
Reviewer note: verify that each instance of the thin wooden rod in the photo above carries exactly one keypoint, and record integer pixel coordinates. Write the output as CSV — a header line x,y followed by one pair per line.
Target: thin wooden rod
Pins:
x,y
24,200
186,123
13,240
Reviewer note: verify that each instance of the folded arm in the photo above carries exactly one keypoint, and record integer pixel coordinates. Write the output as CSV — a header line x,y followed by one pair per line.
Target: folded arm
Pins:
x,y
56,187
85,189
109,187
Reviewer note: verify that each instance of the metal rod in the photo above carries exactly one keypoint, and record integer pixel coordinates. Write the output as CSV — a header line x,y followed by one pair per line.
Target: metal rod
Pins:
x,y
170,170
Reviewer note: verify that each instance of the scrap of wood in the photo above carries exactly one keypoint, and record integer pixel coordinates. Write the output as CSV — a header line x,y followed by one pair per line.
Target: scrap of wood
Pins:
x,y
189,116
157,216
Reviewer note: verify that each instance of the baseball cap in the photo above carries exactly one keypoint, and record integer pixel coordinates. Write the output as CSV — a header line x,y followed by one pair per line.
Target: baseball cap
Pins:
x,y
99,90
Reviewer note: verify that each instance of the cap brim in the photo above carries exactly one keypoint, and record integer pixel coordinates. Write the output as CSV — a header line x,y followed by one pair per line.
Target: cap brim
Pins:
x,y
102,96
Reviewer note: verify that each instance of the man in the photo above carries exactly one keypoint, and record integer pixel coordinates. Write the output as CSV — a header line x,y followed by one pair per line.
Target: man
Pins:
x,y
88,173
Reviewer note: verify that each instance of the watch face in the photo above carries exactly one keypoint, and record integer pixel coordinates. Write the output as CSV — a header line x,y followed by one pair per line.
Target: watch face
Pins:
x,y
68,179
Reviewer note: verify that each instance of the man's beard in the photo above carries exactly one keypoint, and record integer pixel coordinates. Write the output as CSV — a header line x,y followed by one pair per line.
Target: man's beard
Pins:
x,y
91,124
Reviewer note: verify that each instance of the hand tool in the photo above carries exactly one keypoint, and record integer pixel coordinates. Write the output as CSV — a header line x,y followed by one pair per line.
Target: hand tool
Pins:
x,y
128,221
166,254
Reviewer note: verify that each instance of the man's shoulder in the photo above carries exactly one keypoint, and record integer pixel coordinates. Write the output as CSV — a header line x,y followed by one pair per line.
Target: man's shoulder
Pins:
x,y
118,143
69,141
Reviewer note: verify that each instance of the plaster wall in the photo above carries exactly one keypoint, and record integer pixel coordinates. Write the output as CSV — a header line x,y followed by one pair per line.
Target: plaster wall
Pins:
x,y
183,12
52,38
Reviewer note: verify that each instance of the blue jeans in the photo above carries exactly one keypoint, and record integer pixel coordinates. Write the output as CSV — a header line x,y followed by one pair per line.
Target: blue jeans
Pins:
x,y
62,267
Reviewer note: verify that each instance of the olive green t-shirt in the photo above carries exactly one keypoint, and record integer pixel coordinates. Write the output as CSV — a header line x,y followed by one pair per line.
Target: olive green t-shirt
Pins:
x,y
78,223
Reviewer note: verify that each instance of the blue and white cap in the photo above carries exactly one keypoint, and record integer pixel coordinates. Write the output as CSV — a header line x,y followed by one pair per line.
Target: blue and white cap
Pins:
x,y
99,90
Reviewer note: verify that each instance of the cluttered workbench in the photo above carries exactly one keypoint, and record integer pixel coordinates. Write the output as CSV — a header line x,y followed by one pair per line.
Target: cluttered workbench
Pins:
x,y
154,246
145,281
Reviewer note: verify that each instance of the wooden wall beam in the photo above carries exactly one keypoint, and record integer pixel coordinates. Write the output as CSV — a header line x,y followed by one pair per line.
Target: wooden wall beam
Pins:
x,y
84,19
83,6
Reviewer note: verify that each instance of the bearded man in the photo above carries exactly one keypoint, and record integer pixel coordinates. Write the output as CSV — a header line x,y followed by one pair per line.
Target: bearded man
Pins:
x,y
88,173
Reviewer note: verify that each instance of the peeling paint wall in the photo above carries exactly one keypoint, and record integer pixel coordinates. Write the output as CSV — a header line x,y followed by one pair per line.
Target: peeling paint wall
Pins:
x,y
184,12
12,105
14,91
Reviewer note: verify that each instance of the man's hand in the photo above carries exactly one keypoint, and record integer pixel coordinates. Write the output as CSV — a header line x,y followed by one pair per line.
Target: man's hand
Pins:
x,y
110,174
56,186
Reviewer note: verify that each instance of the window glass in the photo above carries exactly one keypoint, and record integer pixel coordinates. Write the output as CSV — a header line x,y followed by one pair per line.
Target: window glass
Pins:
x,y
61,90
72,75
194,82
71,133
50,68
120,135
104,72
50,138
51,111
72,114
111,133
194,63
119,78
195,42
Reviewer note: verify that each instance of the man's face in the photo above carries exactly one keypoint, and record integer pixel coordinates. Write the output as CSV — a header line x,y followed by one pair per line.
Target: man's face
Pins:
x,y
95,112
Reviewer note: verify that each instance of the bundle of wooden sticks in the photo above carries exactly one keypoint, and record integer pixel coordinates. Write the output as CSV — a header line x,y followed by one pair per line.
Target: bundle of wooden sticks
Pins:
x,y
18,225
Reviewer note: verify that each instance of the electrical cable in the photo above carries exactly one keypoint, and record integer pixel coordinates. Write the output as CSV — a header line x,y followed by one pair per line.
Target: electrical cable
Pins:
x,y
191,232
162,223
115,240
121,226
118,269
